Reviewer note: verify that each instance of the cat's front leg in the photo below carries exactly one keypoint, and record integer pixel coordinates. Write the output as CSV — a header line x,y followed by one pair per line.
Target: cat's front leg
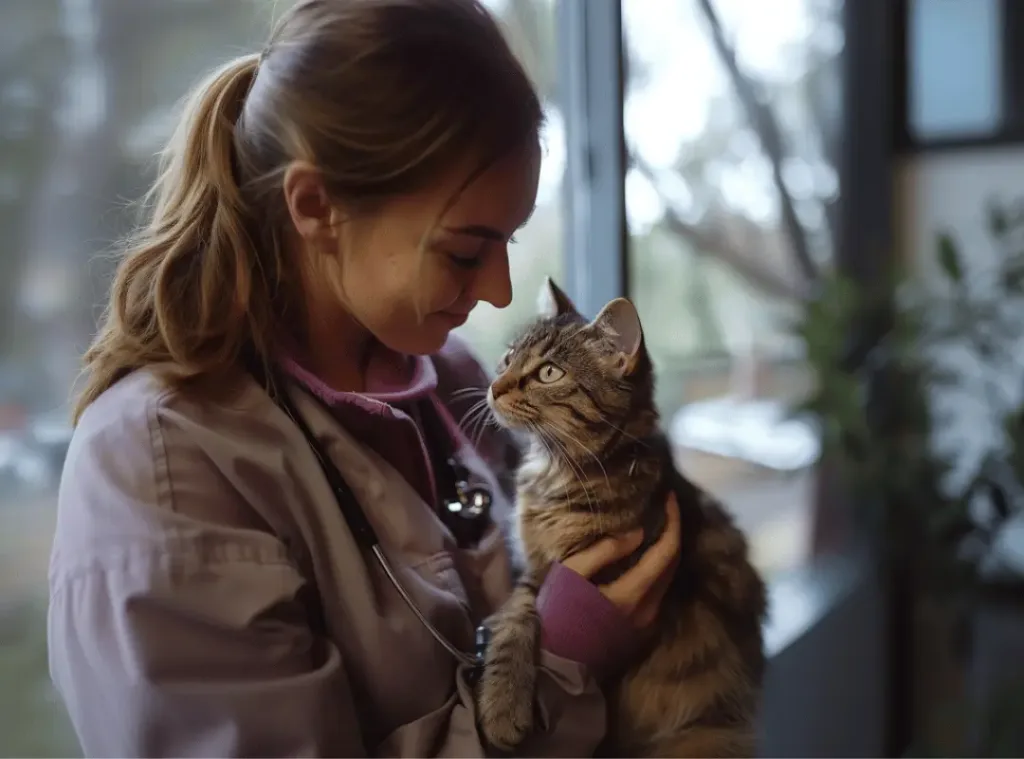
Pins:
x,y
505,693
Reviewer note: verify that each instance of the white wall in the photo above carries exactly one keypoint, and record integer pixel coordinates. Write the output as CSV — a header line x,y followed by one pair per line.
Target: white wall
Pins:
x,y
949,191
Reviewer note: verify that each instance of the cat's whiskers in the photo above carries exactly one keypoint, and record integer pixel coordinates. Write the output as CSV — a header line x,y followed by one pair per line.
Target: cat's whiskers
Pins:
x,y
484,419
471,421
605,420
469,392
471,413
594,457
575,468
579,444
580,475
552,458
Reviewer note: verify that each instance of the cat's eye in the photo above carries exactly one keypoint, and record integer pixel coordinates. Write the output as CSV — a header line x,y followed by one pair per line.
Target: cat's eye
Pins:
x,y
505,360
549,373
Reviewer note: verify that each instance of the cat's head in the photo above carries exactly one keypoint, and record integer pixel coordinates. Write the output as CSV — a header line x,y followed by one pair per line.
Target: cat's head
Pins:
x,y
571,378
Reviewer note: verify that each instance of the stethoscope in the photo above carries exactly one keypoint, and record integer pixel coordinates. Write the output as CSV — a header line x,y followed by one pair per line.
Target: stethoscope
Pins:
x,y
465,508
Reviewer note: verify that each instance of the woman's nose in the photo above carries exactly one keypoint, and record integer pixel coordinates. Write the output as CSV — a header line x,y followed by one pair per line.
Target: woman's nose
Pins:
x,y
493,283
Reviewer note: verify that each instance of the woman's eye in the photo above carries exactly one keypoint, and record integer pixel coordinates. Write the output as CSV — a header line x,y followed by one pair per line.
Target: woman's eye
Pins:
x,y
549,373
465,262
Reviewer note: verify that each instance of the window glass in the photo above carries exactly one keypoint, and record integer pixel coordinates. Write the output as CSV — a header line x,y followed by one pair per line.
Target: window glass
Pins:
x,y
538,251
89,92
954,71
713,266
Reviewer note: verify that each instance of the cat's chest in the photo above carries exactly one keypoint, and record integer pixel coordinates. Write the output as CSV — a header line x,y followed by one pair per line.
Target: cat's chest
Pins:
x,y
551,530
560,511
540,480
549,534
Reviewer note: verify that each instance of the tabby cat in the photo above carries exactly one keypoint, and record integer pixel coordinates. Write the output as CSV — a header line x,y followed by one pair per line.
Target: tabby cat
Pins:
x,y
597,464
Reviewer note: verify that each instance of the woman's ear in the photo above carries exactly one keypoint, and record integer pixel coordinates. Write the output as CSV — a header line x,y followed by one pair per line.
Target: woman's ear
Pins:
x,y
310,209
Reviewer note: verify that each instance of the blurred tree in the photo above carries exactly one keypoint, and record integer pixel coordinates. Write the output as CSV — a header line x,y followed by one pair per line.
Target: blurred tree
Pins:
x,y
530,29
33,63
89,90
127,65
778,126
156,52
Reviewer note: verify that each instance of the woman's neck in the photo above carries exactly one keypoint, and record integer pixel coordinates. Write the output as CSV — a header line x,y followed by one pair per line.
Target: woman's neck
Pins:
x,y
335,346
337,350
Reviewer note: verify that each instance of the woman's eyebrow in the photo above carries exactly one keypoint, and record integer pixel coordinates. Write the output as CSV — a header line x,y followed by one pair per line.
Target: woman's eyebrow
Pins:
x,y
477,230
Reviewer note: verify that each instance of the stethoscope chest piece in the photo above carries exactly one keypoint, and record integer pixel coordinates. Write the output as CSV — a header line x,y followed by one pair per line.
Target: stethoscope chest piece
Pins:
x,y
470,503
468,513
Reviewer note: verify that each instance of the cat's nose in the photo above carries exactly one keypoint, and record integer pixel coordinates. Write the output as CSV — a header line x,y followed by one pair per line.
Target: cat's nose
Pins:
x,y
502,385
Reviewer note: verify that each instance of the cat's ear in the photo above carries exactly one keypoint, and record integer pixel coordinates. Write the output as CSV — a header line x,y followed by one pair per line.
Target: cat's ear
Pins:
x,y
551,301
620,320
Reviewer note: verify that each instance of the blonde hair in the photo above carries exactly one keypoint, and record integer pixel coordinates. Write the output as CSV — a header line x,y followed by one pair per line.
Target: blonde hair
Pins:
x,y
383,96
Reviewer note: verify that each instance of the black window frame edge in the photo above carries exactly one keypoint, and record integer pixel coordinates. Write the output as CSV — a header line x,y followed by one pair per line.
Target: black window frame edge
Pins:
x,y
874,124
1010,133
844,605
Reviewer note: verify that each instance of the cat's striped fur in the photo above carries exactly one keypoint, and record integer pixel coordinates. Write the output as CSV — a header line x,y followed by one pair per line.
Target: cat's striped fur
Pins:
x,y
596,465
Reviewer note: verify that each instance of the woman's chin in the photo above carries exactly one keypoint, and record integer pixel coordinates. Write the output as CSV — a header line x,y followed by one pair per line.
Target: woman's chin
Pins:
x,y
424,341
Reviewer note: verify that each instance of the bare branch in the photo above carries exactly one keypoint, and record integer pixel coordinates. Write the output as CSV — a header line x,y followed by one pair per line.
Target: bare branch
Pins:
x,y
531,34
767,129
709,242
817,88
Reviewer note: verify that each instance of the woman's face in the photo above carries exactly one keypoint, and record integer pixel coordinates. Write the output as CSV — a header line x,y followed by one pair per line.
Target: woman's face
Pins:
x,y
414,269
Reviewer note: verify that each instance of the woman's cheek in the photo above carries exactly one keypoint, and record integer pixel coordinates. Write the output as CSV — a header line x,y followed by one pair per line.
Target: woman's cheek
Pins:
x,y
446,288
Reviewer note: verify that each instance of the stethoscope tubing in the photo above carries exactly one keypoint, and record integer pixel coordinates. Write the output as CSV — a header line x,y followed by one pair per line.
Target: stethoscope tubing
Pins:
x,y
365,534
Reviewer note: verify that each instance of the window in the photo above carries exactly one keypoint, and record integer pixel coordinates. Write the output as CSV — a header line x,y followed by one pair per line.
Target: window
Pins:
x,y
538,251
88,93
952,95
960,72
727,222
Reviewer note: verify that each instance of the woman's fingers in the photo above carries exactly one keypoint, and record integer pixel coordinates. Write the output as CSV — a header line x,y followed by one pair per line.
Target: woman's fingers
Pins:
x,y
604,552
648,608
640,590
658,561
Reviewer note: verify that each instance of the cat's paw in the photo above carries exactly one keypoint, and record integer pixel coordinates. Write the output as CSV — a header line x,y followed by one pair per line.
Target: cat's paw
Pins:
x,y
505,707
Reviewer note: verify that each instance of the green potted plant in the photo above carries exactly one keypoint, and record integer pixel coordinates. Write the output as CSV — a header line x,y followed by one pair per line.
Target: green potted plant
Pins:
x,y
899,366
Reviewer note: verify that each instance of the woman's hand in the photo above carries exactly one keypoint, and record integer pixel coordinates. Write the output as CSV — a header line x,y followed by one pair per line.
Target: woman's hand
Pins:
x,y
638,592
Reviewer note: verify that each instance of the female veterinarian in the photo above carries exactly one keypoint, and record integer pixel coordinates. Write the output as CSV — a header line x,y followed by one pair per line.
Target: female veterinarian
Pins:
x,y
273,538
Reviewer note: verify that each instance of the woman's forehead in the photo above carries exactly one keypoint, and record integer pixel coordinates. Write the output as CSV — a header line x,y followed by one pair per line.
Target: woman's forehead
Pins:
x,y
501,196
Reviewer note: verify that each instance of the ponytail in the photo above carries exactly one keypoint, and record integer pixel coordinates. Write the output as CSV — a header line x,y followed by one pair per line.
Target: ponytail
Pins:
x,y
183,292
356,89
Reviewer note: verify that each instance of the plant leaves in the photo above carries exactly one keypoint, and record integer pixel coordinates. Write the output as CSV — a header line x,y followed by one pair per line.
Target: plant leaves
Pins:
x,y
1013,279
949,258
998,222
999,501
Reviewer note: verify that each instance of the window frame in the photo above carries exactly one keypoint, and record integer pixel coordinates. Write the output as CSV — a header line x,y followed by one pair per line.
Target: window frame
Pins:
x,y
591,81
1011,127
844,610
